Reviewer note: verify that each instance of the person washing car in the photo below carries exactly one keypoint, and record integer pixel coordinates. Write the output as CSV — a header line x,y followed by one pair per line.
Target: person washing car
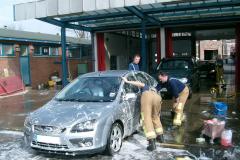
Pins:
x,y
150,113
180,93
134,65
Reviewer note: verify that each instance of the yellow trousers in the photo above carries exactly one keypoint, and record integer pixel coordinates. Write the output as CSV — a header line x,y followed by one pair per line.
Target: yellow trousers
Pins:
x,y
178,107
150,110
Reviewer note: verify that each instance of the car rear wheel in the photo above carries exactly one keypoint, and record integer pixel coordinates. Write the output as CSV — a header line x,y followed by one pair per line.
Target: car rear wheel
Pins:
x,y
115,137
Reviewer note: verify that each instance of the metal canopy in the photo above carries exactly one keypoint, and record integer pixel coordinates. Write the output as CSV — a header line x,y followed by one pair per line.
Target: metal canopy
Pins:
x,y
105,16
102,15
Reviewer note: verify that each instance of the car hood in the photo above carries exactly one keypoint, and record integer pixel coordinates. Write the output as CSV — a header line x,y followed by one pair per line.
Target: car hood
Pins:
x,y
177,73
65,114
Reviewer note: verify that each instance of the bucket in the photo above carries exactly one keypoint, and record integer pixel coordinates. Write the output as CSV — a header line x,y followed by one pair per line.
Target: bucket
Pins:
x,y
220,108
226,138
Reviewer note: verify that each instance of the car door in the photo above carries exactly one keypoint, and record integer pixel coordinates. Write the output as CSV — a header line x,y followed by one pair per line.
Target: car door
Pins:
x,y
150,80
141,76
131,106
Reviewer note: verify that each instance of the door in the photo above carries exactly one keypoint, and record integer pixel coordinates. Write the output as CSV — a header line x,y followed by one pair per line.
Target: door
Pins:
x,y
210,54
25,65
132,105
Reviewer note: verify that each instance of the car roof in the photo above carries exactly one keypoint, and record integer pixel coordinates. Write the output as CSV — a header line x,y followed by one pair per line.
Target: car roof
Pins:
x,y
109,73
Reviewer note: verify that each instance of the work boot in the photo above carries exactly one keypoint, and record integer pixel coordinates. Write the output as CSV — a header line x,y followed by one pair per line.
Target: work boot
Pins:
x,y
160,138
177,121
183,117
151,144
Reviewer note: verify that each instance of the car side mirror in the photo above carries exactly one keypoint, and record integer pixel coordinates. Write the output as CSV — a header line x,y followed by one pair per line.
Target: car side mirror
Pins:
x,y
129,96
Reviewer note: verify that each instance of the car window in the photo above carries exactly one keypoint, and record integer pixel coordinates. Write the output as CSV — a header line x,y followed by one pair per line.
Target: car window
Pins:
x,y
140,77
128,88
91,89
151,80
175,64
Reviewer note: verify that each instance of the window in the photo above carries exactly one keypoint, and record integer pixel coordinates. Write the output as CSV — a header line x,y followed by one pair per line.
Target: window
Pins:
x,y
24,50
37,50
83,51
7,50
151,80
175,64
54,51
91,89
128,88
45,51
74,52
86,50
141,78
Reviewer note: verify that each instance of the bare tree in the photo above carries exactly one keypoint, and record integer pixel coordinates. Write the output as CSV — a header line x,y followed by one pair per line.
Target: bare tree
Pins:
x,y
82,34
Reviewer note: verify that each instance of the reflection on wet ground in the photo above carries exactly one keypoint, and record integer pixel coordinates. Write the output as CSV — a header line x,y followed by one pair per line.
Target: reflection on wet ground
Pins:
x,y
13,111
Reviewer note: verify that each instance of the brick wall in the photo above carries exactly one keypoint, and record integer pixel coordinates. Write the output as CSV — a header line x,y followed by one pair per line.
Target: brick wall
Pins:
x,y
210,45
40,67
43,67
11,64
73,63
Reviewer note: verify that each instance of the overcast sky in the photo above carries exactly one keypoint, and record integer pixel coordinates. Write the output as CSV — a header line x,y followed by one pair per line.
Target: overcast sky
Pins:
x,y
6,19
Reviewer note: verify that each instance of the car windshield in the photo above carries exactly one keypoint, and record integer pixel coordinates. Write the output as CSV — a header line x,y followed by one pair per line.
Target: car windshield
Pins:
x,y
91,89
175,65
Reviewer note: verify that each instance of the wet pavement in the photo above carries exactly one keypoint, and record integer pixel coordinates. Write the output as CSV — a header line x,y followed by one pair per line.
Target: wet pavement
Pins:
x,y
181,142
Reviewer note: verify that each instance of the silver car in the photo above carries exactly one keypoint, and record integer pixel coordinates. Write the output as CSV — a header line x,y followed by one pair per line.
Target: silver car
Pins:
x,y
92,114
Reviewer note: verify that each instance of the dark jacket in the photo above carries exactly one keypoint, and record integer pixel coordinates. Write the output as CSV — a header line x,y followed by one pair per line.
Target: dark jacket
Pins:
x,y
174,86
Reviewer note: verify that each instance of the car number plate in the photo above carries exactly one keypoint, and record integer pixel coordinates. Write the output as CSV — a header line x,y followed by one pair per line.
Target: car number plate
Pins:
x,y
48,139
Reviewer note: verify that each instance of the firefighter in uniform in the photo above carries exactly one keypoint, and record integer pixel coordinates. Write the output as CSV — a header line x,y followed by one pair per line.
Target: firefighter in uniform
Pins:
x,y
150,114
180,93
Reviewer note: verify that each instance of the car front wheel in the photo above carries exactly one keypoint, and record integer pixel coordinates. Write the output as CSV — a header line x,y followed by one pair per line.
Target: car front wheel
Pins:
x,y
114,142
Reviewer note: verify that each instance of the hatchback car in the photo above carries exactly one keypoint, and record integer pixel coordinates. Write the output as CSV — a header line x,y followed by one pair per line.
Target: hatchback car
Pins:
x,y
91,114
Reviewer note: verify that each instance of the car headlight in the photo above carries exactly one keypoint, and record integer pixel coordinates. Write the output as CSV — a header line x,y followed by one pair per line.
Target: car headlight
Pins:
x,y
84,126
183,80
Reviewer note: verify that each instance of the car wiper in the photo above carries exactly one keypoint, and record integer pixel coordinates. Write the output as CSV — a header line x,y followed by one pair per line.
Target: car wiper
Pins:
x,y
101,100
